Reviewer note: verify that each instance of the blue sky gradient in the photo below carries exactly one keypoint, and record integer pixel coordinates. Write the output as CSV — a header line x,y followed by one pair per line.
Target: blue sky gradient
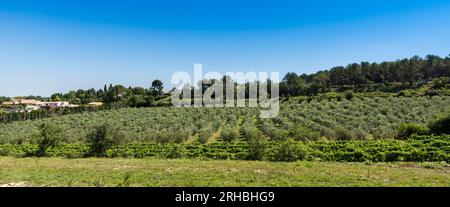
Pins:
x,y
51,46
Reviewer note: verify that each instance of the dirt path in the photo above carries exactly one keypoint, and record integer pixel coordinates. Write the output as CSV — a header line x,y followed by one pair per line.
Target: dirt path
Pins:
x,y
192,139
215,136
238,124
13,184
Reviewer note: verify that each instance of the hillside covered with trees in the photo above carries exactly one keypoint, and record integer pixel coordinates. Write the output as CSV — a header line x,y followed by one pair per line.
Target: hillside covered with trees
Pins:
x,y
393,76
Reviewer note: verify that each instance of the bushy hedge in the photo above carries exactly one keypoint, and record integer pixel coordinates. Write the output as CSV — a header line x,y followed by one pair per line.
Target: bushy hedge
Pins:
x,y
414,149
405,130
441,125
229,133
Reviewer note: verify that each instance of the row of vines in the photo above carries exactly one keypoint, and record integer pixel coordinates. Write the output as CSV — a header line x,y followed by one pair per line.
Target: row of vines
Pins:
x,y
417,149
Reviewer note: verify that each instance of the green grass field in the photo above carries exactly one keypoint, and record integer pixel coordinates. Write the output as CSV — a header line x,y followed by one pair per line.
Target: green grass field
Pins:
x,y
189,172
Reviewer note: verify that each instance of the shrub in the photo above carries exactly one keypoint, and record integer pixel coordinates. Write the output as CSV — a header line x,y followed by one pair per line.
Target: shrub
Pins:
x,y
360,134
179,136
172,137
103,137
257,148
349,95
433,93
290,150
49,136
405,93
204,135
303,134
251,133
441,125
343,134
177,151
405,130
277,134
441,82
229,134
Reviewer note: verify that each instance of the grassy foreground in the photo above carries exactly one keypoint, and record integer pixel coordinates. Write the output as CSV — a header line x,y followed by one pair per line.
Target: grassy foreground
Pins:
x,y
188,172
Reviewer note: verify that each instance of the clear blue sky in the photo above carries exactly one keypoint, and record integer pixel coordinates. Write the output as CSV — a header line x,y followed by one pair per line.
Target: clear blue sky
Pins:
x,y
51,46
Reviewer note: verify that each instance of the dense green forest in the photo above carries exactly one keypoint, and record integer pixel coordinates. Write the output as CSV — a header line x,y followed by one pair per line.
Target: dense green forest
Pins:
x,y
393,76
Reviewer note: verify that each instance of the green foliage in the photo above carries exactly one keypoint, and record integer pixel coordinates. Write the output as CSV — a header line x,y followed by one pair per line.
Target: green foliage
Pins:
x,y
103,137
257,148
343,134
405,130
425,148
362,118
441,82
4,99
116,96
303,134
441,125
204,135
229,134
157,87
49,136
142,125
290,150
366,126
293,85
392,76
179,136
249,131
275,133
178,151
56,97
15,113
349,95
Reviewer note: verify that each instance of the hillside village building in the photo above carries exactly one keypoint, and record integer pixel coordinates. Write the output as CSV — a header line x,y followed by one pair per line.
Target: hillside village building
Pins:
x,y
31,104
95,104
55,104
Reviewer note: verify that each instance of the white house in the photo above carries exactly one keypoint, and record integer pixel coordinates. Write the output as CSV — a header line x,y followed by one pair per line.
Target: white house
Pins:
x,y
31,108
95,104
55,104
32,104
